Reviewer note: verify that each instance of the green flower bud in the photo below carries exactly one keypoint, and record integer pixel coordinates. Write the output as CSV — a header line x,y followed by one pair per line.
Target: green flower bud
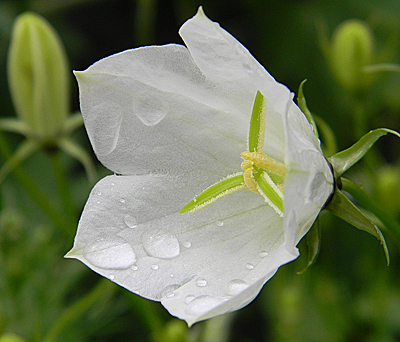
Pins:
x,y
11,338
38,76
351,49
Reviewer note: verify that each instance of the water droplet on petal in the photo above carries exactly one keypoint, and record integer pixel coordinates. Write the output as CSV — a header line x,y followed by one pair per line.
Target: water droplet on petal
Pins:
x,y
169,291
220,223
249,266
263,254
247,67
236,286
103,122
135,267
112,276
99,193
112,183
187,244
171,275
201,305
149,110
110,252
130,221
189,298
160,244
154,267
201,282
122,200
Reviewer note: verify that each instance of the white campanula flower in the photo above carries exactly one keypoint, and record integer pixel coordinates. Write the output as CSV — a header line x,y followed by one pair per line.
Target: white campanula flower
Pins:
x,y
172,122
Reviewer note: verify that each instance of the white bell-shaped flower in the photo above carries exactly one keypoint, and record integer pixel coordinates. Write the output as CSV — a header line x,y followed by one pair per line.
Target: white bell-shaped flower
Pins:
x,y
171,121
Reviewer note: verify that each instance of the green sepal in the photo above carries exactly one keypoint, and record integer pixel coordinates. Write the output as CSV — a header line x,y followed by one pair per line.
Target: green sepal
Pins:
x,y
25,150
314,243
329,146
372,205
14,125
257,124
301,101
77,152
345,159
343,208
215,192
384,67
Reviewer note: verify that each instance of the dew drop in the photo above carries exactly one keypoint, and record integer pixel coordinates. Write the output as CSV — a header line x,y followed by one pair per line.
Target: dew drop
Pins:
x,y
171,275
247,67
112,183
112,276
187,244
249,266
130,221
110,252
135,267
107,118
220,223
201,305
169,291
236,286
201,282
154,267
148,110
122,200
263,254
160,244
189,298
99,193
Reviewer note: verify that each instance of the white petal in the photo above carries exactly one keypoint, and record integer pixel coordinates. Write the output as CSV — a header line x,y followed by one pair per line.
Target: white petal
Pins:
x,y
309,181
151,109
224,60
198,264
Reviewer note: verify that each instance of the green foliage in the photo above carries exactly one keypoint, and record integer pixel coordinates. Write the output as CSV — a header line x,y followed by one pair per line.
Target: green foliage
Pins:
x,y
346,295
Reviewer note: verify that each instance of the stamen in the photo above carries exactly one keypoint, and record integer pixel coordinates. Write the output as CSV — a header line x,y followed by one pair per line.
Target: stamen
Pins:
x,y
265,162
261,174
225,187
271,193
249,180
257,124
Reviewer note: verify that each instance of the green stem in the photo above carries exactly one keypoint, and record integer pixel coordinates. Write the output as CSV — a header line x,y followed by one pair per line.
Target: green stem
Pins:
x,y
27,182
372,205
62,184
104,288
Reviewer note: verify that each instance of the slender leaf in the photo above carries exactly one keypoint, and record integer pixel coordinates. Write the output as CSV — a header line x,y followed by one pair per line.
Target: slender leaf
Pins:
x,y
345,159
342,207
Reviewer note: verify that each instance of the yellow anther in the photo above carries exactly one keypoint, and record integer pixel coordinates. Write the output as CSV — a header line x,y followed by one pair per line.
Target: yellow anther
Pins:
x,y
249,177
246,164
265,162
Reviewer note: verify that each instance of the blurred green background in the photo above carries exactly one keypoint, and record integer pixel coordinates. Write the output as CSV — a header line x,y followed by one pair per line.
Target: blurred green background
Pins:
x,y
347,295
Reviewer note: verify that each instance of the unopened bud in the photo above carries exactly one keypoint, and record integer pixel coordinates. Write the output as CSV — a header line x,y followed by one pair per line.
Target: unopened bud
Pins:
x,y
352,48
38,76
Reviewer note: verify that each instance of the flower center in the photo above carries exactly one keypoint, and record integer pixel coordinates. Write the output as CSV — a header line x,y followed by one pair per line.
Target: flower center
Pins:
x,y
261,174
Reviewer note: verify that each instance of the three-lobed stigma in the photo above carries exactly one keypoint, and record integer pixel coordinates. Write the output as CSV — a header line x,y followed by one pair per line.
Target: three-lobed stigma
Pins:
x,y
261,174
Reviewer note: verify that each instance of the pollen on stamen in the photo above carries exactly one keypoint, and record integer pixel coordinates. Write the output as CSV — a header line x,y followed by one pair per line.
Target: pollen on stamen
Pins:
x,y
215,192
217,198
